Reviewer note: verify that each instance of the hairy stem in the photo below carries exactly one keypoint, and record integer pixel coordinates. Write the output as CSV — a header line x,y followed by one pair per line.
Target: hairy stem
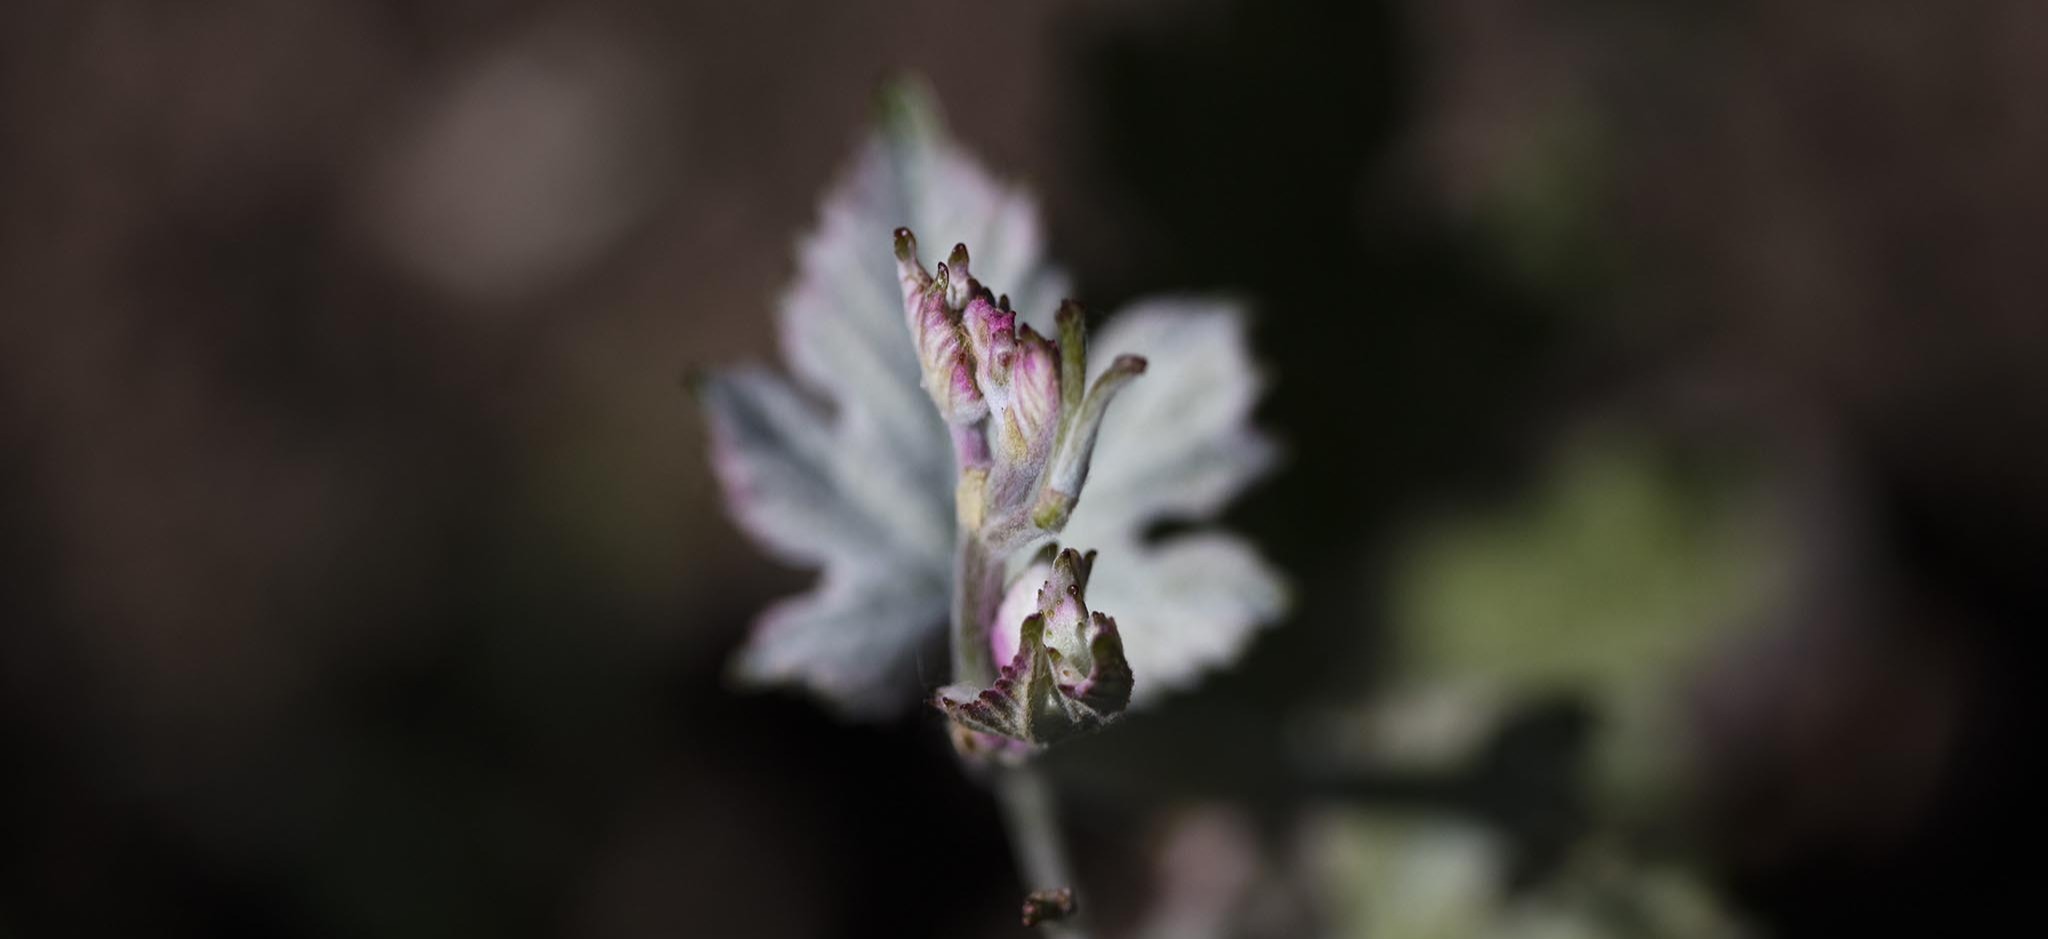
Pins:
x,y
977,591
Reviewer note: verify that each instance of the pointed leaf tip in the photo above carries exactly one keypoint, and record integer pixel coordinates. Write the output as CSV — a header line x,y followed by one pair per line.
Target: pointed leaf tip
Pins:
x,y
908,109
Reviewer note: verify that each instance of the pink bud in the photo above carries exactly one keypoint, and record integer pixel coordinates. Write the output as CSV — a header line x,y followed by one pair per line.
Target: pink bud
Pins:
x,y
943,359
992,340
1035,390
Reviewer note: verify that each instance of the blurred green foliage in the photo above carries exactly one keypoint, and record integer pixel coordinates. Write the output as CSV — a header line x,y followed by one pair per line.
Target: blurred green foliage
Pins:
x,y
1619,567
1414,879
1597,585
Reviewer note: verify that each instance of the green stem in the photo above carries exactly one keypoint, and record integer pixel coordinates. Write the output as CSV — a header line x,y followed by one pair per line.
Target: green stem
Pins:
x,y
1031,815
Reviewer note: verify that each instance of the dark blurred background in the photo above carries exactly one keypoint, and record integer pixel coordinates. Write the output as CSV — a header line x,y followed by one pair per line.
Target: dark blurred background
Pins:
x,y
1663,384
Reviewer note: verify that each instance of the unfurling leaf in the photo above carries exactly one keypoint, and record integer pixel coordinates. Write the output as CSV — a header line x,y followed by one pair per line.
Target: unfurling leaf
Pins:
x,y
1068,676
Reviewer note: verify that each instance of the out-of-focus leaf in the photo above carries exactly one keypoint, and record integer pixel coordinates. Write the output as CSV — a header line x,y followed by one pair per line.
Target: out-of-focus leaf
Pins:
x,y
1195,601
773,453
1617,570
842,323
859,483
1407,880
853,640
1178,445
1420,878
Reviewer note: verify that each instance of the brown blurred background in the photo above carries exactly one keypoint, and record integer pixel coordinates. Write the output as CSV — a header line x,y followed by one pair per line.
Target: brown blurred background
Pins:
x,y
364,576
